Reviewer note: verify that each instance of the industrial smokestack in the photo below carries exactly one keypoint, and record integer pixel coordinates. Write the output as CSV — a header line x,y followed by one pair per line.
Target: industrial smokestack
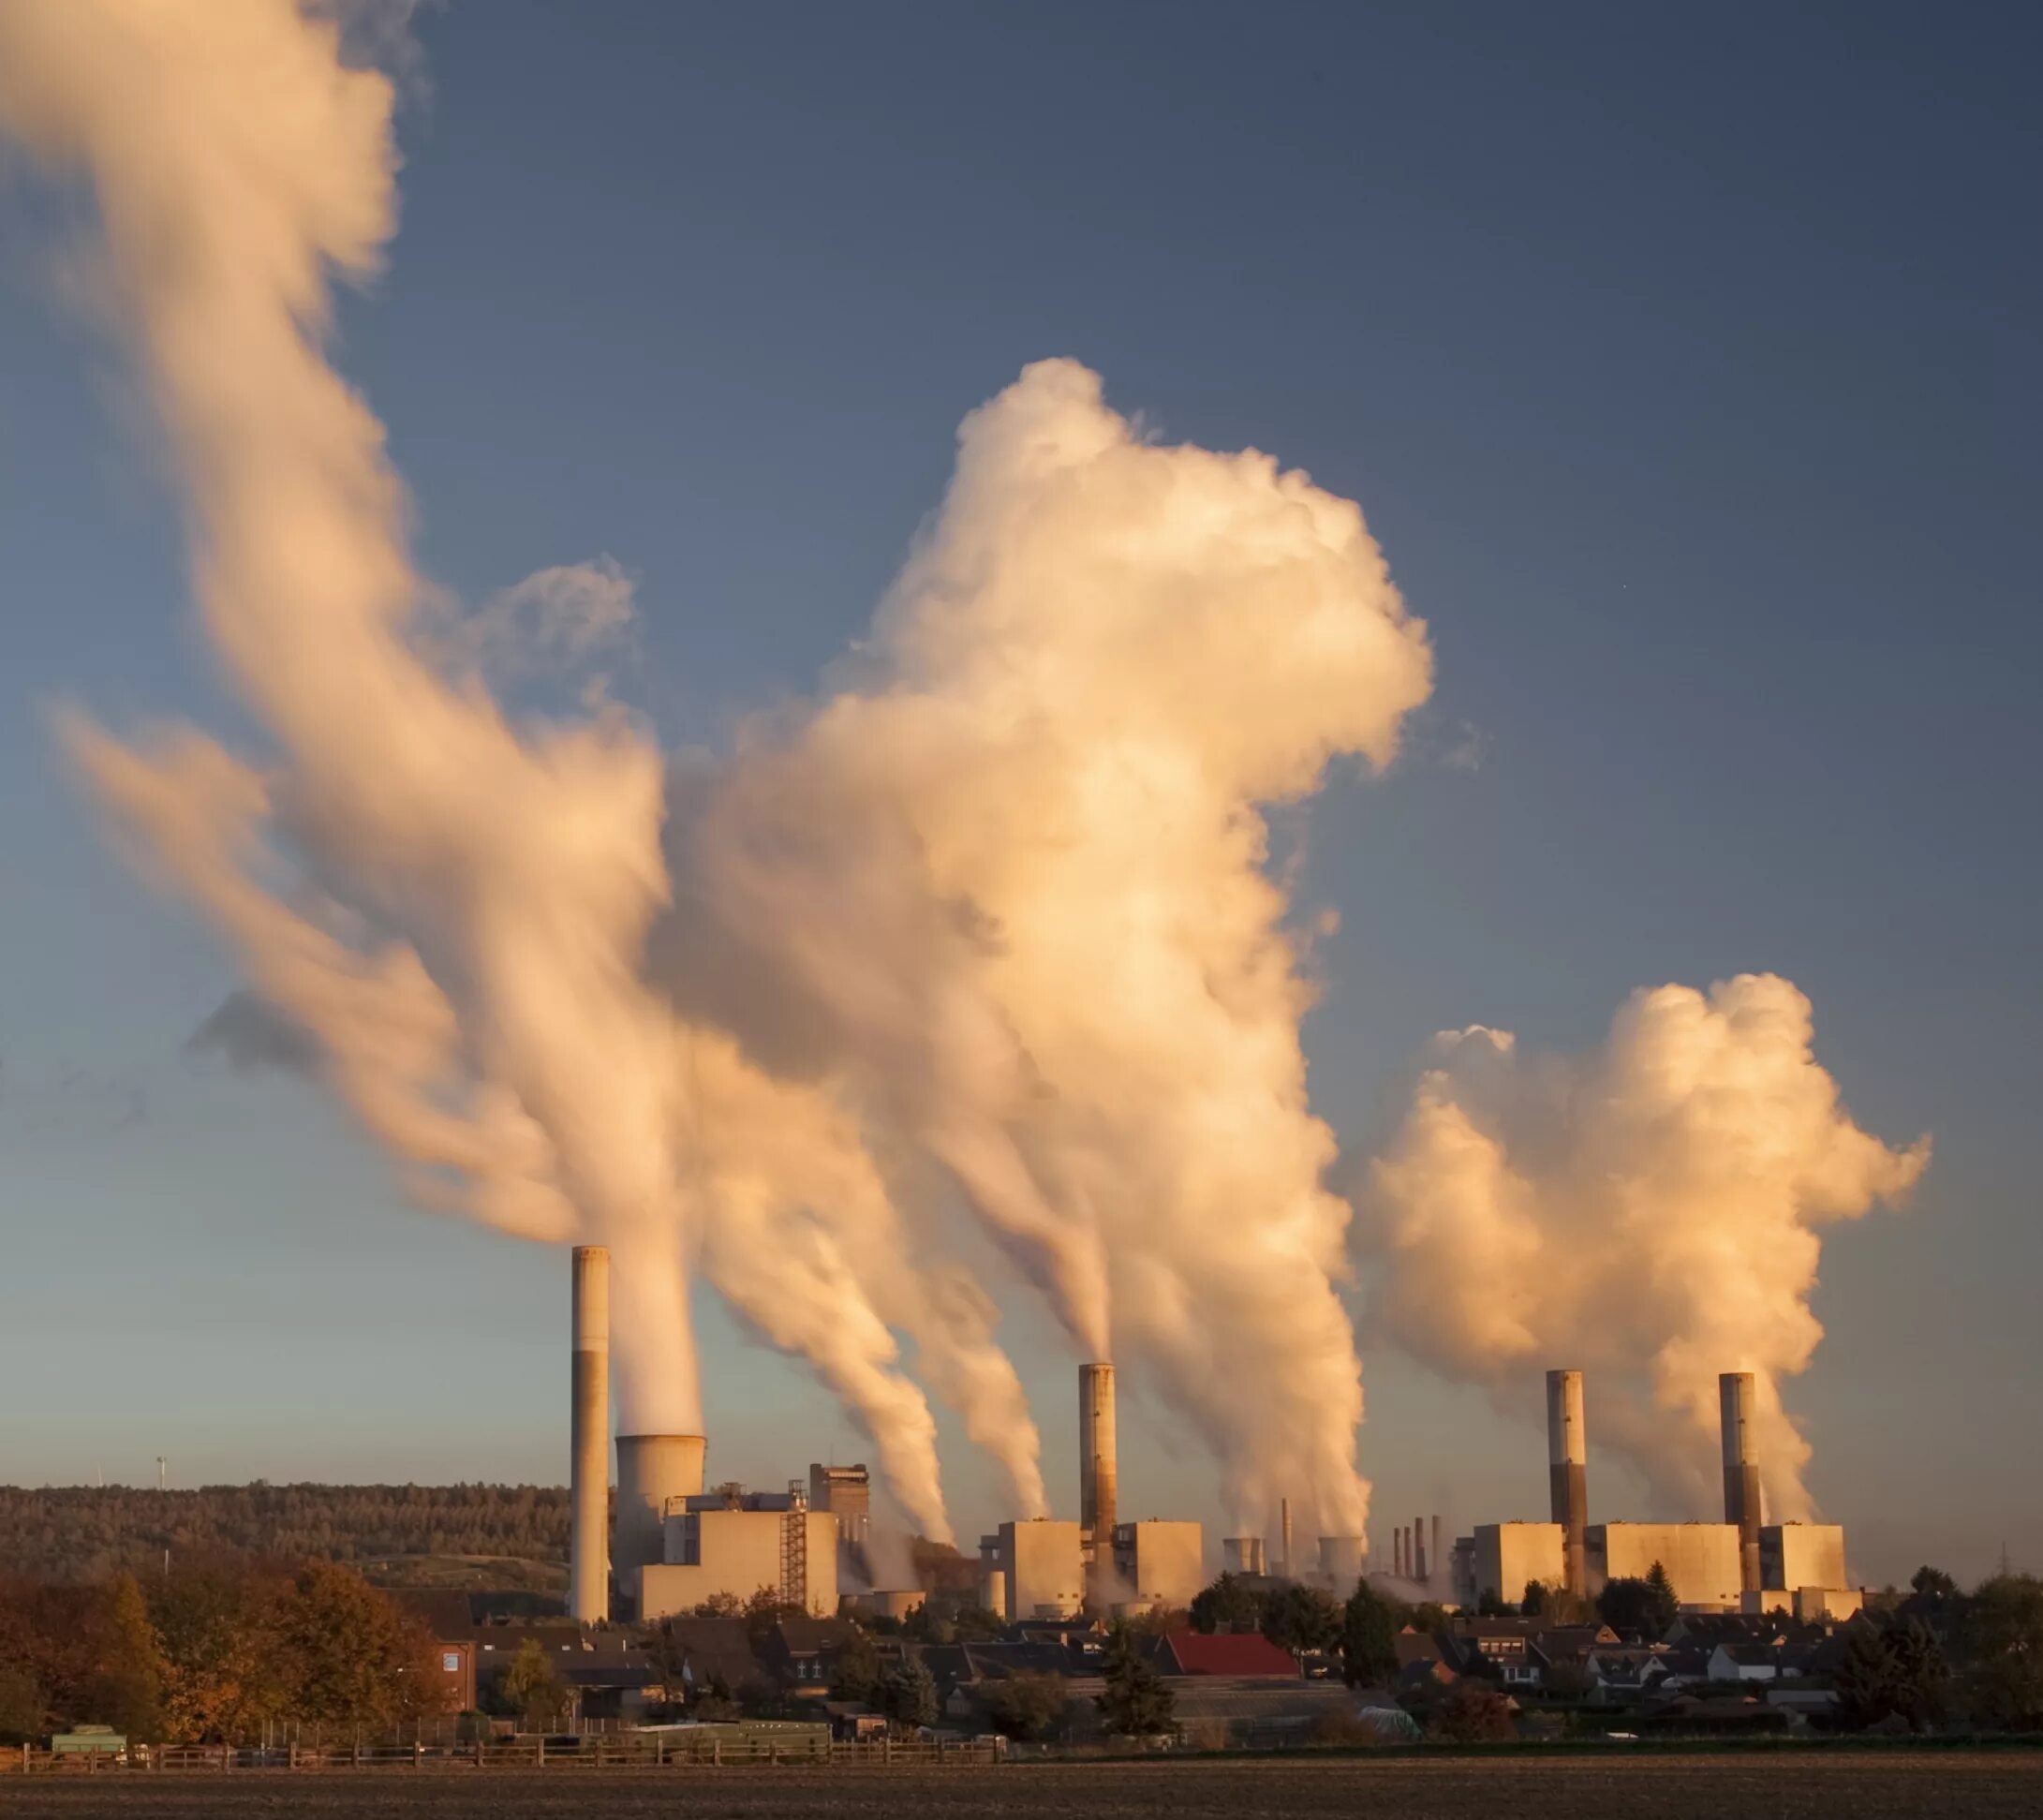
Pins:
x,y
588,1440
1736,1391
1396,1550
1286,1568
1419,1557
1096,1465
653,1470
1340,1560
1433,1560
1567,1456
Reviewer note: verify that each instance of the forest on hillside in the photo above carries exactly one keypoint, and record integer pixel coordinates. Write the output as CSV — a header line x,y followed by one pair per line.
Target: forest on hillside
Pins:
x,y
90,1533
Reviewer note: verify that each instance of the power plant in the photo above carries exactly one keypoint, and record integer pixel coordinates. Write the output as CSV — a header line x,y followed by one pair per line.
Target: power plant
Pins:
x,y
669,1544
1737,1564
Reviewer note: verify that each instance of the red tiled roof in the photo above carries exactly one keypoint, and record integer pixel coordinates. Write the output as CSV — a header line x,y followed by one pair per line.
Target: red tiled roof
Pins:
x,y
1189,1654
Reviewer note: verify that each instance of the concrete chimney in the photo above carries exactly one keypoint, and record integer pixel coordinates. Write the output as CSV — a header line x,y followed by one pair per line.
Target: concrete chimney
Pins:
x,y
1420,1560
1096,1466
1433,1558
1737,1397
1396,1551
1567,1456
1285,1568
653,1471
588,1440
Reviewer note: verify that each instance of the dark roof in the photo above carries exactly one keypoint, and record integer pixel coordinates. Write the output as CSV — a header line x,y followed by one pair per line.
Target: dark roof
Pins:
x,y
1187,1653
713,1648
810,1637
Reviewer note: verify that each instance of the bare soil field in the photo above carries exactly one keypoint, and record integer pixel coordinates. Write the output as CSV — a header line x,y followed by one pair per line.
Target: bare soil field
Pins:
x,y
1774,1787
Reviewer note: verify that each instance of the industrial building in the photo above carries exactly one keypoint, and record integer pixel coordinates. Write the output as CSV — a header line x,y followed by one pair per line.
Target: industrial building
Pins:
x,y
846,1493
1701,1560
1508,1556
738,1542
1033,1568
1160,1563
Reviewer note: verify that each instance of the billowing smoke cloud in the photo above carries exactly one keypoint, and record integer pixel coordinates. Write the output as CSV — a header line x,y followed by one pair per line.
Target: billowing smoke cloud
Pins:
x,y
1007,886
1652,1212
989,926
468,958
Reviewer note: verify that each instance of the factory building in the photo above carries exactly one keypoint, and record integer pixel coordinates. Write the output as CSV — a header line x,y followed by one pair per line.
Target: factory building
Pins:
x,y
1798,1559
736,1542
1036,1569
1701,1560
1161,1562
846,1493
1507,1556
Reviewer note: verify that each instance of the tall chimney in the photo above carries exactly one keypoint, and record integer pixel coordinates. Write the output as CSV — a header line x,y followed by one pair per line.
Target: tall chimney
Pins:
x,y
1096,1466
1285,1568
1736,1393
588,1440
1418,1549
1433,1559
1567,1456
653,1471
1397,1552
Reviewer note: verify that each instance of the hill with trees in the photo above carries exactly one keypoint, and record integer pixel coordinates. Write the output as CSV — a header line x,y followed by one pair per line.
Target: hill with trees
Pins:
x,y
397,1534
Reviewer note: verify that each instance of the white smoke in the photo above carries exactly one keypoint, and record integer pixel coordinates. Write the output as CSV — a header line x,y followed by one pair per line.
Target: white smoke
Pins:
x,y
1006,886
1652,1212
469,964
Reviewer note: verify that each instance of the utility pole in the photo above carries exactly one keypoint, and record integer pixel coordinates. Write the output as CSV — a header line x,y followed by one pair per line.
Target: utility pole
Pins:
x,y
162,1473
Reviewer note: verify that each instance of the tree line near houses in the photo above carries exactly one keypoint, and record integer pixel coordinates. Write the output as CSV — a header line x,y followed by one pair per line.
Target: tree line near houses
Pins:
x,y
212,1652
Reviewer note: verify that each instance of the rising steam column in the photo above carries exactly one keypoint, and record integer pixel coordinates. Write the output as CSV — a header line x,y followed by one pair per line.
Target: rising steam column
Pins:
x,y
1736,1393
588,1441
1097,1472
1567,1456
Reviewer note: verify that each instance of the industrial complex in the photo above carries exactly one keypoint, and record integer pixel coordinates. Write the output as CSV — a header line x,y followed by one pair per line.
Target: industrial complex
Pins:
x,y
677,1543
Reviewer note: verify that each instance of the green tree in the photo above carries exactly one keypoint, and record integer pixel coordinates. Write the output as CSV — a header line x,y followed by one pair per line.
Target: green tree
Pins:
x,y
1473,1713
1921,1675
2003,1633
530,1687
1647,1606
1227,1604
855,1672
1533,1604
908,1696
1368,1637
1135,1702
1934,1581
1301,1619
1865,1681
1027,1705
976,1624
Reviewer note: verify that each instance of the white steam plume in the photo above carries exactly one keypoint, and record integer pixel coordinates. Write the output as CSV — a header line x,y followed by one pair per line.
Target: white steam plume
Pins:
x,y
1652,1212
499,1031
1007,886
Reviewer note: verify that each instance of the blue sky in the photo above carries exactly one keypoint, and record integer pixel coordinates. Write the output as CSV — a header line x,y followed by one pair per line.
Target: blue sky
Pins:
x,y
1685,362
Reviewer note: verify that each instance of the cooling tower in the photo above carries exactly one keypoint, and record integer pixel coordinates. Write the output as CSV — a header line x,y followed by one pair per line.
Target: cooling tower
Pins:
x,y
1567,1455
588,1440
652,1470
1238,1554
1096,1461
1340,1560
1736,1391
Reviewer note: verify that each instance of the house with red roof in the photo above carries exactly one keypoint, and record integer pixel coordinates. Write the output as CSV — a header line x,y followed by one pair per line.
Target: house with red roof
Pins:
x,y
1247,1656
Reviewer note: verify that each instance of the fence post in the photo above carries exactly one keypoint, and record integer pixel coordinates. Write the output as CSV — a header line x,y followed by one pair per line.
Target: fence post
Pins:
x,y
418,1754
539,1761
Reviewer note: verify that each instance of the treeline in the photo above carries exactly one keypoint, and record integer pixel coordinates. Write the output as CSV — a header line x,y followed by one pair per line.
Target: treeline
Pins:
x,y
213,1653
86,1534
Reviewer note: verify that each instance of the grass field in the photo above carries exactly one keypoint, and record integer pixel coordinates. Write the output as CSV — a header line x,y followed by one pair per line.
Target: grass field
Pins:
x,y
1770,1787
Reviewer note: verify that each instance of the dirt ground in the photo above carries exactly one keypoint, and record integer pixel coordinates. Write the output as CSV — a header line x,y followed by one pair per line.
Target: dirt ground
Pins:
x,y
1763,1787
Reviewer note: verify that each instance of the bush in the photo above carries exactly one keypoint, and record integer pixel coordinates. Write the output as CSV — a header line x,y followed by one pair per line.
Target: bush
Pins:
x,y
1473,1713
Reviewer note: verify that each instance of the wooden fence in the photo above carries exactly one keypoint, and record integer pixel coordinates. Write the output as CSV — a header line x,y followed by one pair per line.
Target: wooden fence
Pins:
x,y
622,1751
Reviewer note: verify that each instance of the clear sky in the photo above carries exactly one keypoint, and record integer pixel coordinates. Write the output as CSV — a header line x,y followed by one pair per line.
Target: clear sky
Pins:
x,y
1685,361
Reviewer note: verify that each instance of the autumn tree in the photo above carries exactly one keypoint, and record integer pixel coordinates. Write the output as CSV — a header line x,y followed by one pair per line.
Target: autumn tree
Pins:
x,y
350,1656
1473,1713
216,1628
531,1688
908,1696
